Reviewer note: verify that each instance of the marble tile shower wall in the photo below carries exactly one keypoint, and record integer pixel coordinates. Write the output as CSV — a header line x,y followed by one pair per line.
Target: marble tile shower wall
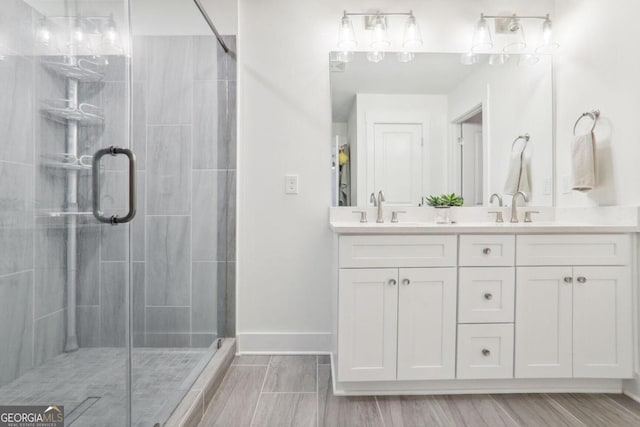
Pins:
x,y
183,239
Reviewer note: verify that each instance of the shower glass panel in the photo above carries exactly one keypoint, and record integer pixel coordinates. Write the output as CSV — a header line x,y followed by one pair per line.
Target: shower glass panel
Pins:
x,y
64,276
113,321
181,132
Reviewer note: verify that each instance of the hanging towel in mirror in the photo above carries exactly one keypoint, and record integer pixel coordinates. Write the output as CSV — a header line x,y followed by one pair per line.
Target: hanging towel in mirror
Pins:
x,y
518,175
583,160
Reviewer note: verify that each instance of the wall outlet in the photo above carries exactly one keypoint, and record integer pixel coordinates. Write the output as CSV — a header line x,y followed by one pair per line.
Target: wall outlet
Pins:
x,y
291,184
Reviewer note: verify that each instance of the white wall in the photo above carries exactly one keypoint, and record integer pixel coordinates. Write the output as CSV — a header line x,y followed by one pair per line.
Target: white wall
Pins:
x,y
285,271
600,69
435,176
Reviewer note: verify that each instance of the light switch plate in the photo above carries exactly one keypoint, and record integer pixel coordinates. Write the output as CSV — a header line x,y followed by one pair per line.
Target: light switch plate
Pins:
x,y
291,184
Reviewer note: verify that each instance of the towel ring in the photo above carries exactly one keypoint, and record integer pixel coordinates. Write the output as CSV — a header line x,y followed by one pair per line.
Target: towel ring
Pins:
x,y
591,114
524,137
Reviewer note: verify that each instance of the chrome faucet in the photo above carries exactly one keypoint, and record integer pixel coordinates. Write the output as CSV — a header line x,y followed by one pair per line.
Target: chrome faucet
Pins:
x,y
380,219
496,196
373,200
514,205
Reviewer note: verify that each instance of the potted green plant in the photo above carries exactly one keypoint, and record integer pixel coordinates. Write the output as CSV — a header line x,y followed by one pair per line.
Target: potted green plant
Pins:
x,y
442,204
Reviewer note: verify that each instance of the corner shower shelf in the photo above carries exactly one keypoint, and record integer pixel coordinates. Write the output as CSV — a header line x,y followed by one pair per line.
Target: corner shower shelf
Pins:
x,y
62,214
62,110
84,70
68,161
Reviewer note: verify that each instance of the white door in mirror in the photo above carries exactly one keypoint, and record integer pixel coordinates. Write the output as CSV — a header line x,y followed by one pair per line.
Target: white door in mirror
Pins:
x,y
291,184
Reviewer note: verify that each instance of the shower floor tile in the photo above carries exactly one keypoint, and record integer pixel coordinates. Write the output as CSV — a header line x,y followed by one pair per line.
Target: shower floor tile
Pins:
x,y
93,380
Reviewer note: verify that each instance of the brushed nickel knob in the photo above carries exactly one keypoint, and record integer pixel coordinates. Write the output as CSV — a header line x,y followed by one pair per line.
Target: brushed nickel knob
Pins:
x,y
488,296
582,279
568,279
486,251
406,281
392,282
486,352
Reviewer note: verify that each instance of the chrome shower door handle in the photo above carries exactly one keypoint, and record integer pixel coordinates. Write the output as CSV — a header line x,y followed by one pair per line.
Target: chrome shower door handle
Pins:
x,y
97,212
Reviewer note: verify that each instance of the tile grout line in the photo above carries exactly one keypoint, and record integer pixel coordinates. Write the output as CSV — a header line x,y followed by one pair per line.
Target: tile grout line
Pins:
x,y
503,409
559,405
264,381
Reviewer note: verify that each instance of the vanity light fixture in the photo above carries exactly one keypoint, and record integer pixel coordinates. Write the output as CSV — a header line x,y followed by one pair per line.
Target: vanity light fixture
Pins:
x,y
346,35
509,31
377,24
548,44
412,36
482,35
379,36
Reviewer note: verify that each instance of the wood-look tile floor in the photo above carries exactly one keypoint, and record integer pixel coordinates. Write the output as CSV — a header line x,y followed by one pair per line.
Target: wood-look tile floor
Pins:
x,y
280,391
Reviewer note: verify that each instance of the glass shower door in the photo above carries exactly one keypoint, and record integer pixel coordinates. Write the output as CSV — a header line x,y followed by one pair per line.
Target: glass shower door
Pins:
x,y
64,269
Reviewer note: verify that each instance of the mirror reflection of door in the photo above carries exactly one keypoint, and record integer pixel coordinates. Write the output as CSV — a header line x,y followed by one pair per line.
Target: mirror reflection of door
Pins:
x,y
471,159
398,162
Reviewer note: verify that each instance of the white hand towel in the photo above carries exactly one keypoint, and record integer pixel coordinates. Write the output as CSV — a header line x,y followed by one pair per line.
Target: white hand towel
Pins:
x,y
518,176
584,162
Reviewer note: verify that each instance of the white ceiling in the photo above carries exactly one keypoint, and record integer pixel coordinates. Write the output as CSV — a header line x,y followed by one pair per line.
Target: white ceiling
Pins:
x,y
428,73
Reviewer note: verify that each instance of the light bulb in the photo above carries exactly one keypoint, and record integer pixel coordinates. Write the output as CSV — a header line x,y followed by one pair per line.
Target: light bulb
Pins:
x,y
482,35
344,56
405,56
346,35
78,32
379,34
44,33
375,56
111,32
547,45
469,58
498,59
515,41
412,36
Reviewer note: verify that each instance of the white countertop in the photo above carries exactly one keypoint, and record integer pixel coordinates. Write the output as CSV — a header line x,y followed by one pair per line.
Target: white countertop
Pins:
x,y
478,221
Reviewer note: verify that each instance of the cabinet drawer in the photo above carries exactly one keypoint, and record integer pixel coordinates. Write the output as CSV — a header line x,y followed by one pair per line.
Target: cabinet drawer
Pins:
x,y
597,249
397,251
487,251
485,351
486,295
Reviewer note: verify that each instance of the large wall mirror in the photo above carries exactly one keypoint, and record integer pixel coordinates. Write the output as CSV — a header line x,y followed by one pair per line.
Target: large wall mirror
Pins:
x,y
435,125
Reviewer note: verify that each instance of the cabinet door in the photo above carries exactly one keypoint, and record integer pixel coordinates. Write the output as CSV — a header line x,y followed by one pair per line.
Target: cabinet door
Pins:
x,y
543,322
427,323
367,324
602,336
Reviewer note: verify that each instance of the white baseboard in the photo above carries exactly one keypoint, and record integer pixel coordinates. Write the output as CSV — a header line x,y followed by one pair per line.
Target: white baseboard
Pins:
x,y
284,342
632,387
575,385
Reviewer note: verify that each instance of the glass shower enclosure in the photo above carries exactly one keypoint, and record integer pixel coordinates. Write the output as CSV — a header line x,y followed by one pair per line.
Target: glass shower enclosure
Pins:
x,y
117,205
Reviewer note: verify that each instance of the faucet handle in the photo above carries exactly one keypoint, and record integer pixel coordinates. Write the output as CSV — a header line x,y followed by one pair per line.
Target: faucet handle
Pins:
x,y
527,215
363,216
499,218
394,215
